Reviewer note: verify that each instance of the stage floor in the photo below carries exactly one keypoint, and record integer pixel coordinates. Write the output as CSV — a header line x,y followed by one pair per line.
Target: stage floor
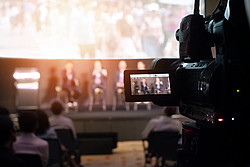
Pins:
x,y
109,115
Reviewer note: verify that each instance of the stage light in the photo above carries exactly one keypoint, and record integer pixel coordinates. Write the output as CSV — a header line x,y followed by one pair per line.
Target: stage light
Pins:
x,y
33,85
27,87
220,119
26,75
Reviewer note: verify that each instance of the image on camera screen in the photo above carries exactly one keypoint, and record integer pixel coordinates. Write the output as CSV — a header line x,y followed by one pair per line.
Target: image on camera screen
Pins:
x,y
150,84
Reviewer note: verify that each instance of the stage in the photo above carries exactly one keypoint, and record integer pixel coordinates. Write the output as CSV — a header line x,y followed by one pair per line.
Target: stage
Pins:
x,y
128,124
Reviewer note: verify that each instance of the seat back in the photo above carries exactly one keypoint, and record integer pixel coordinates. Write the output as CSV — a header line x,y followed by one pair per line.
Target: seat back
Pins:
x,y
66,137
164,144
100,135
31,160
55,152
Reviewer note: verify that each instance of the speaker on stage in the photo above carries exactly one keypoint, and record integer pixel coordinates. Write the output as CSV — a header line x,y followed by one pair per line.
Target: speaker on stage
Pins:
x,y
27,88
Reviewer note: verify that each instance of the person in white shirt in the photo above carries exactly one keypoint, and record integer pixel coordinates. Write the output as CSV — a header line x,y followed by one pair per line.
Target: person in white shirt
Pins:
x,y
27,142
163,124
57,120
98,79
119,76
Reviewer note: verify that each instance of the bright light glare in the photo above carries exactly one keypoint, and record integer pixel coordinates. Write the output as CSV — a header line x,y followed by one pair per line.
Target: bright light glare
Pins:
x,y
32,85
100,29
28,75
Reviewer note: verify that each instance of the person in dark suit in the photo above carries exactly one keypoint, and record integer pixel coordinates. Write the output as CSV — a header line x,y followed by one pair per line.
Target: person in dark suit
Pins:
x,y
158,86
70,82
98,79
144,87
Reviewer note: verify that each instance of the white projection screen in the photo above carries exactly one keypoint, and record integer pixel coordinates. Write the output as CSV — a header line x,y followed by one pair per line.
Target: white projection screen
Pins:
x,y
96,29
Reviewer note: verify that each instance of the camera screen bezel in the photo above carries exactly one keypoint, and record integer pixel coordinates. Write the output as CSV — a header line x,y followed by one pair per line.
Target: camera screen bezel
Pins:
x,y
149,97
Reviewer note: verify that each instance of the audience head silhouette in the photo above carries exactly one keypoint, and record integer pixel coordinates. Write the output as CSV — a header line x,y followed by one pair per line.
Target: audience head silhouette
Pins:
x,y
57,107
6,130
43,122
4,111
28,121
169,111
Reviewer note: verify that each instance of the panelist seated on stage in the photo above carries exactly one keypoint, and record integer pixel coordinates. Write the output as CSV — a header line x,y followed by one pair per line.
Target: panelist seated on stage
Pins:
x,y
144,87
119,77
70,82
158,86
98,79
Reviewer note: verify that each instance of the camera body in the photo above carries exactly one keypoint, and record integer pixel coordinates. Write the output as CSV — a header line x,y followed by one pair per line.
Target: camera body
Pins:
x,y
212,90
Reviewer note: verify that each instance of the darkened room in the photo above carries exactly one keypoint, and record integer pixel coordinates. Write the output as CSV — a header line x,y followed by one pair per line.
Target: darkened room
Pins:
x,y
124,83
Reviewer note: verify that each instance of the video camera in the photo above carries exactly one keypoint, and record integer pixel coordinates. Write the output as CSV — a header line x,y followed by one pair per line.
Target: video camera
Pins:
x,y
206,89
209,83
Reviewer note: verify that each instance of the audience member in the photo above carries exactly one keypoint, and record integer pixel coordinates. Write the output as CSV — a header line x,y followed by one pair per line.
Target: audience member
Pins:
x,y
44,130
163,123
57,120
27,142
4,111
7,137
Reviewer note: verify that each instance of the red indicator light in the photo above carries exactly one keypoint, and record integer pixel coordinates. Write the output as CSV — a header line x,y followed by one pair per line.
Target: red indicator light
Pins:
x,y
189,131
220,119
155,75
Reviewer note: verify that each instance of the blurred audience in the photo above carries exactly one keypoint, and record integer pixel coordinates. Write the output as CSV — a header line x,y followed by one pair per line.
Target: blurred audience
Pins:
x,y
114,29
7,137
164,123
27,142
57,120
44,130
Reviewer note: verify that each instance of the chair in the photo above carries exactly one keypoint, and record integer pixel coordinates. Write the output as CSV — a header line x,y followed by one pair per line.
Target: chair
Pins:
x,y
98,92
55,152
119,98
66,138
97,142
31,160
148,105
70,106
161,145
